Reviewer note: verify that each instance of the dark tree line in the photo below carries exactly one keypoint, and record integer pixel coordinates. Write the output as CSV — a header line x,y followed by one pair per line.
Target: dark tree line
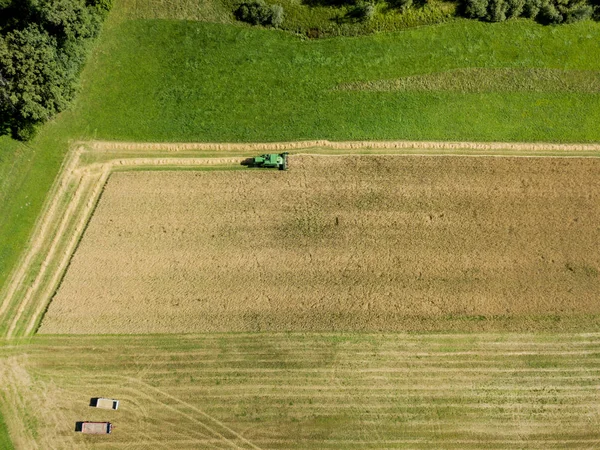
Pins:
x,y
543,11
259,12
43,45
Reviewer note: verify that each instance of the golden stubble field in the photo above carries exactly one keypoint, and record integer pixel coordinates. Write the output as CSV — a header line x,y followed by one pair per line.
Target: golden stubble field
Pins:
x,y
307,391
339,243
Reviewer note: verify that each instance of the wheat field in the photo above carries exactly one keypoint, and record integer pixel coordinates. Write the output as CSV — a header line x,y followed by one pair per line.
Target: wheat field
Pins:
x,y
354,243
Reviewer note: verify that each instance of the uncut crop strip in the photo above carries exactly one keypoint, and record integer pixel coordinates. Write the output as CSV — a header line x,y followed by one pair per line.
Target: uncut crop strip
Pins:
x,y
320,391
72,199
428,147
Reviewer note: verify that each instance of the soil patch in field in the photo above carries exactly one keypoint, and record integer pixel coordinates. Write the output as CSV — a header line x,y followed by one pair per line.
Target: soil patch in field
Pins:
x,y
340,243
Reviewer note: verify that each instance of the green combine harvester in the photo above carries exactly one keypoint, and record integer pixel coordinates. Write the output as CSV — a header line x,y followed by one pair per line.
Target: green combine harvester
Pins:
x,y
270,160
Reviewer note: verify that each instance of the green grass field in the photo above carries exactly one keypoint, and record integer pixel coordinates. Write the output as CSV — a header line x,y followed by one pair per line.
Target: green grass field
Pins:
x,y
175,80
191,81
26,174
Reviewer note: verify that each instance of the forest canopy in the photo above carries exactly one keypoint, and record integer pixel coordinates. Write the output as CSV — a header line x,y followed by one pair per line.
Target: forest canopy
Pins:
x,y
43,45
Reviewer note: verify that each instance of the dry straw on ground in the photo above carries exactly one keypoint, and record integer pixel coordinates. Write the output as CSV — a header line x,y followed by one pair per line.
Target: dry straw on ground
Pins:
x,y
339,243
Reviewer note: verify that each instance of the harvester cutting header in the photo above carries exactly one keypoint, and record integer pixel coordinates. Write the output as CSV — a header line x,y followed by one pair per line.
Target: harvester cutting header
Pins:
x,y
269,160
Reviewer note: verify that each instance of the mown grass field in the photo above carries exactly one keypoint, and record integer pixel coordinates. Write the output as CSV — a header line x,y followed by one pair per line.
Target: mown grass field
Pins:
x,y
295,391
192,81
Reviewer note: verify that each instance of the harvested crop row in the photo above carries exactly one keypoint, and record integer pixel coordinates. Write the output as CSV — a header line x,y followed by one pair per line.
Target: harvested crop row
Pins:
x,y
340,243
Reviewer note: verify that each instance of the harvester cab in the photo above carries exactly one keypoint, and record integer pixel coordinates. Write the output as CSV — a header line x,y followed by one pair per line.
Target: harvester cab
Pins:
x,y
269,160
